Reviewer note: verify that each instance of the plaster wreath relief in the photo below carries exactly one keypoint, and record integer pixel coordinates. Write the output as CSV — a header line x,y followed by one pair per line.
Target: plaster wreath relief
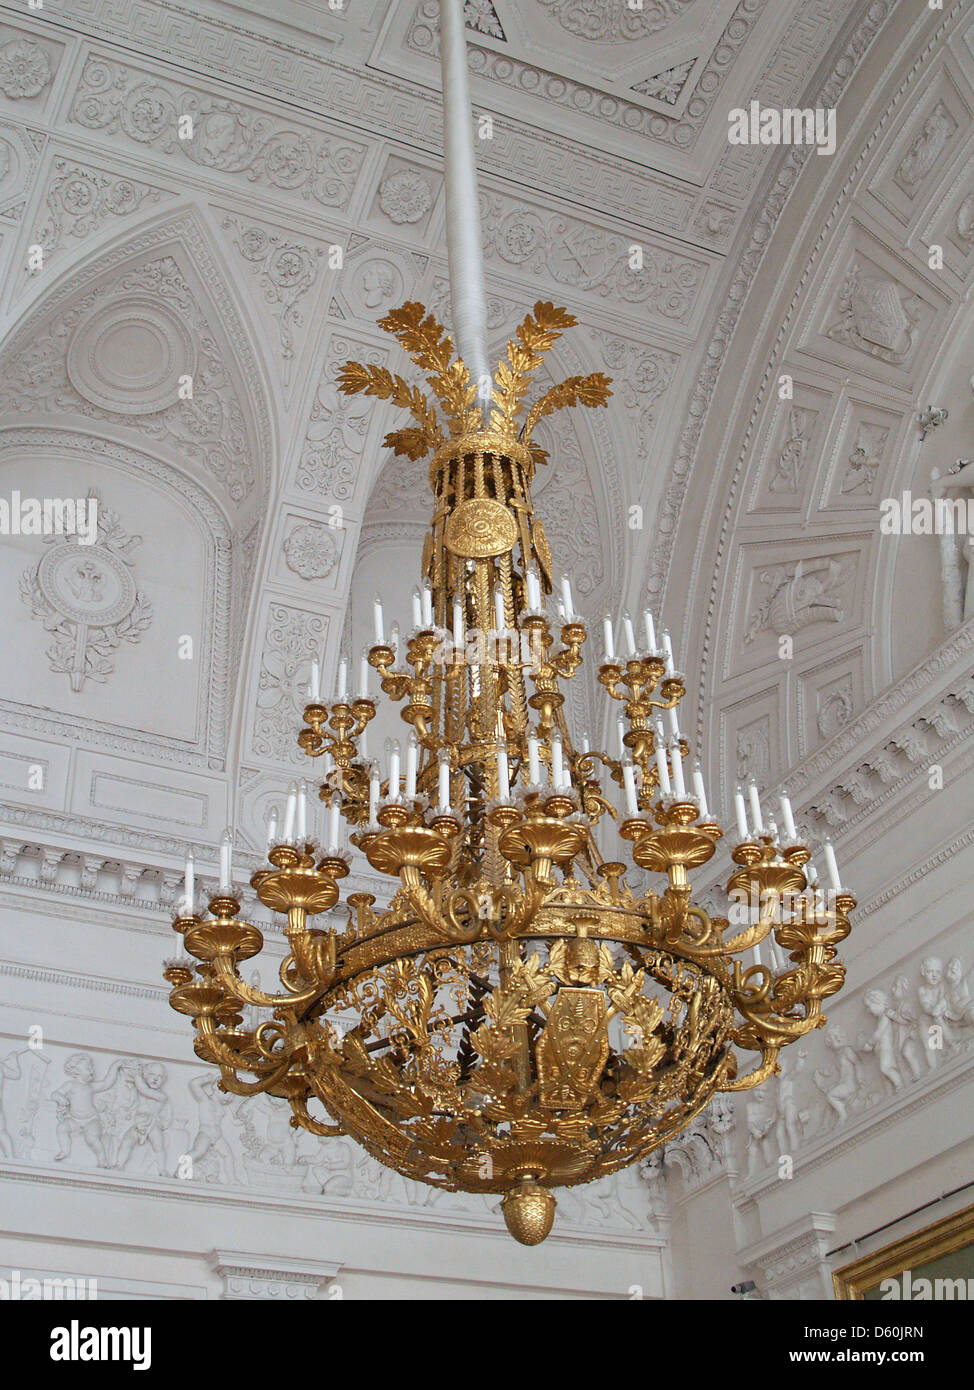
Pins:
x,y
87,598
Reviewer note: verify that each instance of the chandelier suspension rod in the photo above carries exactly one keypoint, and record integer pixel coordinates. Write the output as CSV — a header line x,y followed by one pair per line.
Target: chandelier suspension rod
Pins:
x,y
468,294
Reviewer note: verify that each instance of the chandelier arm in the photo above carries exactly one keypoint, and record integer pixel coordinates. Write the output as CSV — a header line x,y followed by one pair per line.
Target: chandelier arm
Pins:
x,y
301,1118
231,1081
249,994
767,1068
761,929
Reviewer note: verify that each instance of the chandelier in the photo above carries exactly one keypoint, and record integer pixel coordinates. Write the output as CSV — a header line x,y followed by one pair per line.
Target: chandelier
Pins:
x,y
519,1017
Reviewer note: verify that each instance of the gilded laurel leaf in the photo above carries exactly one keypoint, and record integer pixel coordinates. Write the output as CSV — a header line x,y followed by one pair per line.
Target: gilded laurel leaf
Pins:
x,y
410,443
593,390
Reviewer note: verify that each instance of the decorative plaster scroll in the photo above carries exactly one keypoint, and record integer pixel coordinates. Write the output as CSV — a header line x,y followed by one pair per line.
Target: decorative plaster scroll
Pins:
x,y
613,21
80,198
227,137
293,638
287,270
331,460
582,256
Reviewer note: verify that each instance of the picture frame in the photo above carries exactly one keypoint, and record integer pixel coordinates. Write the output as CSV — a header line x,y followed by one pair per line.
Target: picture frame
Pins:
x,y
923,1263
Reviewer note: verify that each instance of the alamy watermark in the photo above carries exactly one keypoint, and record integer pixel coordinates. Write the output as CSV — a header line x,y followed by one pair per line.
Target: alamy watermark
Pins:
x,y
49,516
21,1288
926,516
772,125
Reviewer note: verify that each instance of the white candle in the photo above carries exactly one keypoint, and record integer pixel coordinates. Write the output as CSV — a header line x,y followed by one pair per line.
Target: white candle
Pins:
x,y
328,766
459,638
698,790
661,767
557,762
787,817
534,762
499,622
363,675
417,609
741,811
395,760
674,722
831,864
610,648
443,782
374,782
226,861
363,746
757,820
678,782
290,811
314,685
621,734
342,691
628,635
394,641
811,874
534,591
566,597
667,651
629,782
334,812
189,884
302,812
272,827
377,621
412,764
650,627
503,773
427,605
585,742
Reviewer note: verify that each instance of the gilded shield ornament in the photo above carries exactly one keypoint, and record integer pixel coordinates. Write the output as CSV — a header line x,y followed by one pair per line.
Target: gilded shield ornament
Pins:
x,y
480,528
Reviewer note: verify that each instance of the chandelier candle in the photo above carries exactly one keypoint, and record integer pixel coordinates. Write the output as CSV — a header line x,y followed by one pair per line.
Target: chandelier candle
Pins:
x,y
519,1018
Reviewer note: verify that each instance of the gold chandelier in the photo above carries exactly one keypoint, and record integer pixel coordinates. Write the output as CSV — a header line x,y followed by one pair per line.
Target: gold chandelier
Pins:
x,y
518,1018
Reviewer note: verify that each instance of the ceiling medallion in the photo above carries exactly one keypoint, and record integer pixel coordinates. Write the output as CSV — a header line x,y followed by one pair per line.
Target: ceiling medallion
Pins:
x,y
127,357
